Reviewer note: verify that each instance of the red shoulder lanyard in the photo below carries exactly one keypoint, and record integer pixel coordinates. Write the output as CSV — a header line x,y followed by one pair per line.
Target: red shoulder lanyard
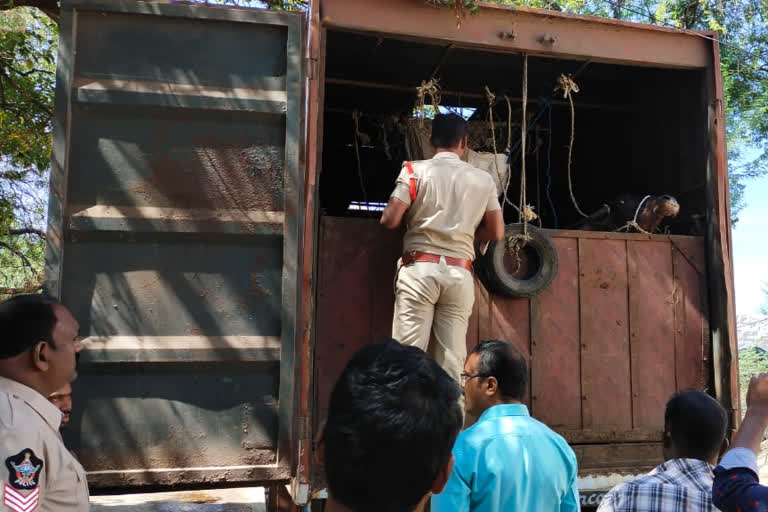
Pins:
x,y
412,180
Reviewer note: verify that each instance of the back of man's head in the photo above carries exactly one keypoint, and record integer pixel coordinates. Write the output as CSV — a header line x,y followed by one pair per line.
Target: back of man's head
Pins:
x,y
695,424
502,360
392,421
448,130
24,321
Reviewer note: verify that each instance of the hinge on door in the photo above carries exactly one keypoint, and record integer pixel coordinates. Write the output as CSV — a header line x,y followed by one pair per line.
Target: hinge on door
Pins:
x,y
310,68
304,429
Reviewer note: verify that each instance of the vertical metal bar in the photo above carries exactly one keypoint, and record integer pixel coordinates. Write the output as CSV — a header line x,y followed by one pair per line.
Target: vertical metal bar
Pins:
x,y
301,485
292,193
57,197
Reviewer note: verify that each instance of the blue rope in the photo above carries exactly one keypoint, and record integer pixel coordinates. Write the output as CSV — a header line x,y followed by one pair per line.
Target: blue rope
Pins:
x,y
549,162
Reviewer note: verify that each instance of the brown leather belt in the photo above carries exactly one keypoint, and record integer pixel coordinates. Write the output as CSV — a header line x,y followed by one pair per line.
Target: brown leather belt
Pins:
x,y
412,256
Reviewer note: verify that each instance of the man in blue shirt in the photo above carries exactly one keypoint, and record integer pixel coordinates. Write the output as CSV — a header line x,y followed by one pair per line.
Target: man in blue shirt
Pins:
x,y
506,460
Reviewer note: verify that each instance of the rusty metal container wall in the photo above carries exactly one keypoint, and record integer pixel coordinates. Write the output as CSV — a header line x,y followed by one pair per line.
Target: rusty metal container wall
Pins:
x,y
174,213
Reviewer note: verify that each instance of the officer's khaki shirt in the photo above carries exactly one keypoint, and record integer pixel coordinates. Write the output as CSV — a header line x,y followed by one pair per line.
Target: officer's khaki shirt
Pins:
x,y
38,472
451,200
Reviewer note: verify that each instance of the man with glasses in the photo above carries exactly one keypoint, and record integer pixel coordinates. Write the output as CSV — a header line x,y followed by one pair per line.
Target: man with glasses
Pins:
x,y
506,460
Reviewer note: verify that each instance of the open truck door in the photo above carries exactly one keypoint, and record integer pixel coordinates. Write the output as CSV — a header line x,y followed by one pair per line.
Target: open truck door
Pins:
x,y
175,227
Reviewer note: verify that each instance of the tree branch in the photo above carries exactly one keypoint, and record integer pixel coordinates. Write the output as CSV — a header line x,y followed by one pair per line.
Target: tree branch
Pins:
x,y
49,7
22,257
34,70
25,94
27,231
4,290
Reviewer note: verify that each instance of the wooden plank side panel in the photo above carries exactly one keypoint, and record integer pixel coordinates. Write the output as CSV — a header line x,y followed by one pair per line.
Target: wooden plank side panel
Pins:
x,y
607,400
343,306
555,366
691,325
651,310
473,334
510,320
387,248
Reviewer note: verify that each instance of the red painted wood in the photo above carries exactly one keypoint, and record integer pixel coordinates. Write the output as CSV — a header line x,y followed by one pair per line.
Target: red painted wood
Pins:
x,y
483,305
691,327
555,364
652,337
387,248
607,401
510,320
343,310
577,334
473,334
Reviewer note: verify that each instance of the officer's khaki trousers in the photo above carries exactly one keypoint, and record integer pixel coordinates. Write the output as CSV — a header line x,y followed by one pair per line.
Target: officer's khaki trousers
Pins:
x,y
436,298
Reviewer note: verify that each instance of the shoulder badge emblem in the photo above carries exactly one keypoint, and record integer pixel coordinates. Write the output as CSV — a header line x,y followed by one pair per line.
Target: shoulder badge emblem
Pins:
x,y
24,470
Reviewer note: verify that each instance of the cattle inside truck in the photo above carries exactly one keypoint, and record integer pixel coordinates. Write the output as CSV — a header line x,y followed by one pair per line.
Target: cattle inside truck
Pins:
x,y
211,224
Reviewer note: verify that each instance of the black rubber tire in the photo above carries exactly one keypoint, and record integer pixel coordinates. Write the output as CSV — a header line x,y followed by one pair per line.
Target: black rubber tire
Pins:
x,y
490,268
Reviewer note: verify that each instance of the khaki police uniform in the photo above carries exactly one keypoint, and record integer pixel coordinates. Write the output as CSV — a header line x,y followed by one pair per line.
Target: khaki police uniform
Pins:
x,y
437,297
39,474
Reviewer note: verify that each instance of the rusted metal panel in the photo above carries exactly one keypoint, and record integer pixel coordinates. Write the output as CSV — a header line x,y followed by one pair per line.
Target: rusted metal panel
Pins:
x,y
596,39
651,319
691,326
555,351
175,208
605,368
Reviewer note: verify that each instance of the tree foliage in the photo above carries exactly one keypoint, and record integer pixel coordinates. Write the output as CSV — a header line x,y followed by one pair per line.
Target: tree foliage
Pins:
x,y
28,43
752,361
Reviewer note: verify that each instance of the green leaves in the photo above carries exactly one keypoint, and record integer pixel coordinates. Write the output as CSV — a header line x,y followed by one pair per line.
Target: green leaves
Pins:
x,y
28,45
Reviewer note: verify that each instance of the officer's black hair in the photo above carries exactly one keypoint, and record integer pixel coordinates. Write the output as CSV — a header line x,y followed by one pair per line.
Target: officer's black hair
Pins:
x,y
500,359
24,321
392,421
448,130
697,424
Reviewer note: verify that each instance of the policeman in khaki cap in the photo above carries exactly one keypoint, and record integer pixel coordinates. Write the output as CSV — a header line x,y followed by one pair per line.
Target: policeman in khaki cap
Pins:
x,y
38,345
446,204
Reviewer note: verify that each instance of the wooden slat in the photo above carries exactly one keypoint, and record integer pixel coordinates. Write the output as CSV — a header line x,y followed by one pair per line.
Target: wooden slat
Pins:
x,y
692,249
483,305
555,364
605,366
691,333
608,235
343,304
651,316
623,457
388,247
473,334
510,320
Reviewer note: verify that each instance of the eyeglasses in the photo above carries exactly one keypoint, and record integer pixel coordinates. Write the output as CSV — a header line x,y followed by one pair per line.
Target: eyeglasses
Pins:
x,y
466,377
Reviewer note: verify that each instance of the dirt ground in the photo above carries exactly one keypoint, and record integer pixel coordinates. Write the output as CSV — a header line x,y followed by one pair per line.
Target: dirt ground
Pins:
x,y
249,499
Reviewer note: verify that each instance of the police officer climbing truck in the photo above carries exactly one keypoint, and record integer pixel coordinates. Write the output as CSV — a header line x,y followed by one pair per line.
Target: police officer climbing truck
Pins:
x,y
446,204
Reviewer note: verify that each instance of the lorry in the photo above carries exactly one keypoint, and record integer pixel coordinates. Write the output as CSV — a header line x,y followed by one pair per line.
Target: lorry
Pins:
x,y
212,225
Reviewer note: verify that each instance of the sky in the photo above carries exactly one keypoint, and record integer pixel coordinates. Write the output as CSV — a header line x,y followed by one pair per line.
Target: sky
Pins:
x,y
750,248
